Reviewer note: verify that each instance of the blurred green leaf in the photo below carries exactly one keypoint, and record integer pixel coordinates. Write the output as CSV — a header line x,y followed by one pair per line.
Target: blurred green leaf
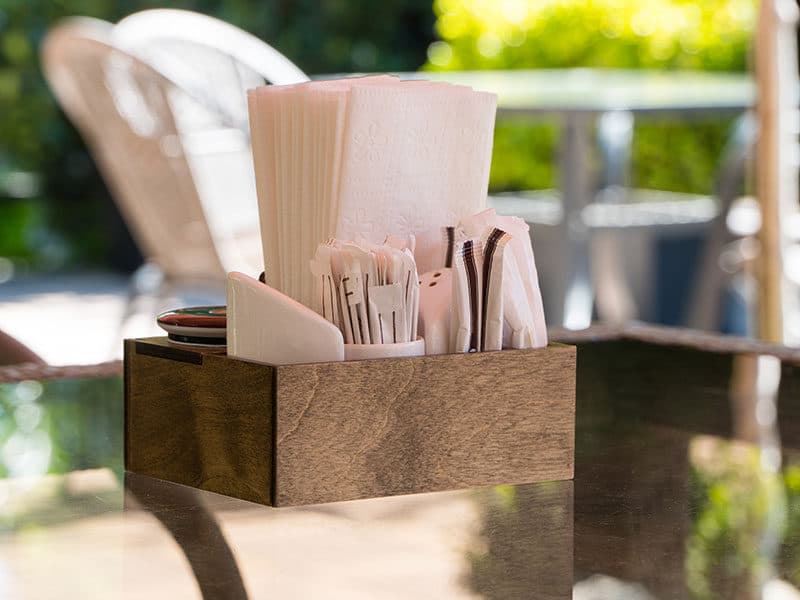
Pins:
x,y
658,34
16,47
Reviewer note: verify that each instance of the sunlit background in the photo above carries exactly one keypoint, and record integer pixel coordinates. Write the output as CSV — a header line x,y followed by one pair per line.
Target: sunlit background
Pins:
x,y
66,254
56,213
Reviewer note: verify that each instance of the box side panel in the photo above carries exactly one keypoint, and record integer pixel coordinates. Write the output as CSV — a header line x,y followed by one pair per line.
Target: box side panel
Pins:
x,y
128,349
375,428
207,425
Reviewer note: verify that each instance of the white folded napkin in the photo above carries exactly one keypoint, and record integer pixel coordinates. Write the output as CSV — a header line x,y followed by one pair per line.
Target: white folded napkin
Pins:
x,y
362,158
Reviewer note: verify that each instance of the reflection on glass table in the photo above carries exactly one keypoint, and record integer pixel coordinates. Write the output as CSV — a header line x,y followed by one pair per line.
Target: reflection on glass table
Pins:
x,y
687,485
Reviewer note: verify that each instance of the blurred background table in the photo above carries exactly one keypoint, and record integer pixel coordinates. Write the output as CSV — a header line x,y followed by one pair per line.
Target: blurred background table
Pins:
x,y
596,109
560,91
679,491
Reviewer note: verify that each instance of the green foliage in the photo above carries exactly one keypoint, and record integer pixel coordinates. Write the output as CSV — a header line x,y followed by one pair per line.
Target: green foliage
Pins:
x,y
60,426
737,506
661,34
20,220
674,156
658,34
738,509
35,137
522,154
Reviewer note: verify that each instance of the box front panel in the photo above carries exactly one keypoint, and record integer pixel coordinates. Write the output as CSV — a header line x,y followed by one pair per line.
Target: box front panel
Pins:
x,y
375,428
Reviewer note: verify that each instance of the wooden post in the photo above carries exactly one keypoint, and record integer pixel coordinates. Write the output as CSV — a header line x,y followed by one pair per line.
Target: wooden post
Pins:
x,y
776,180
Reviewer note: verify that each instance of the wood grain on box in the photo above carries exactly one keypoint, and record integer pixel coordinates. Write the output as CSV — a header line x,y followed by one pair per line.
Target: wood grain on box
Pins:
x,y
302,434
207,425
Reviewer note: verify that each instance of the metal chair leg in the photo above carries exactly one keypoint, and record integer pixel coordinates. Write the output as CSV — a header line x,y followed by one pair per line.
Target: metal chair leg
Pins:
x,y
147,282
577,297
614,299
704,306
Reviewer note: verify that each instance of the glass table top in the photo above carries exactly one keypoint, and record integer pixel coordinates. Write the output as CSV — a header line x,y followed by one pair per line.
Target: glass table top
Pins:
x,y
601,90
687,485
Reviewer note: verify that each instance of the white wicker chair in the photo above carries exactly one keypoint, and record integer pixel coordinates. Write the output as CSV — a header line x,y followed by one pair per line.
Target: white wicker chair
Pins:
x,y
213,63
160,101
121,107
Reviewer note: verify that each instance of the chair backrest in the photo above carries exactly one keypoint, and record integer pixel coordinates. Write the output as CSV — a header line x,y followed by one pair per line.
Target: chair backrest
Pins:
x,y
122,108
214,64
205,56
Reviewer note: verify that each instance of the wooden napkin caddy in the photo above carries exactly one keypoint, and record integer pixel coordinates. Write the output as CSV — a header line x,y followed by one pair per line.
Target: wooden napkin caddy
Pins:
x,y
312,433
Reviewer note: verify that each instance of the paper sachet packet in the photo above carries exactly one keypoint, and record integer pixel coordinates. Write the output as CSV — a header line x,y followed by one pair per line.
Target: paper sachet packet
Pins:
x,y
436,247
411,293
395,241
522,296
376,287
326,300
523,253
494,243
517,317
368,278
388,302
351,296
466,300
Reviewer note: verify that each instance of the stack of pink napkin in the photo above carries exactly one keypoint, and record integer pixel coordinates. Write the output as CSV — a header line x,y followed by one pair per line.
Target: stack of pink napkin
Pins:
x,y
362,158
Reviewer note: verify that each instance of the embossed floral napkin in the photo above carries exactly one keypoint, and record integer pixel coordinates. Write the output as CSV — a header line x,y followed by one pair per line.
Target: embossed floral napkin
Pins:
x,y
362,158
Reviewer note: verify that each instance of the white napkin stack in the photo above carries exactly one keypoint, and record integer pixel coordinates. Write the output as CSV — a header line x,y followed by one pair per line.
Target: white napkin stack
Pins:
x,y
363,158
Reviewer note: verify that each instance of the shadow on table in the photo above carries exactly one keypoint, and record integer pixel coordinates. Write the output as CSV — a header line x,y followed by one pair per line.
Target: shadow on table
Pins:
x,y
183,513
